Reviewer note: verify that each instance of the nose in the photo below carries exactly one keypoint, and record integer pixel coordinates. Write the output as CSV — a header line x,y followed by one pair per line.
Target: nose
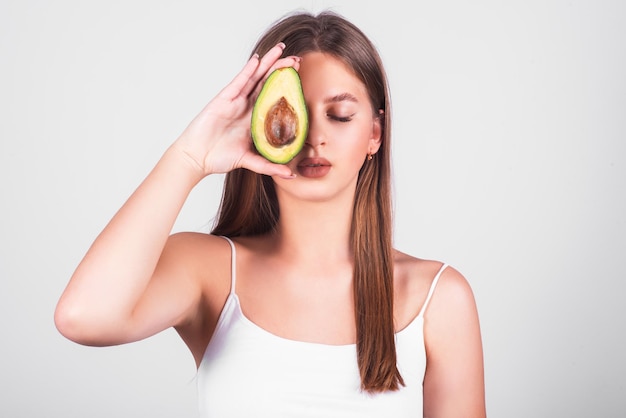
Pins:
x,y
315,137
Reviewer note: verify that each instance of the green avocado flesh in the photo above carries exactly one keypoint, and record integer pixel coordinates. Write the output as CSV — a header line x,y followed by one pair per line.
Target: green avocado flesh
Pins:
x,y
279,118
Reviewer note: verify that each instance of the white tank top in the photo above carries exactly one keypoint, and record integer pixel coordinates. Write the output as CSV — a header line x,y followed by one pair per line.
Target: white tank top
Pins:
x,y
247,371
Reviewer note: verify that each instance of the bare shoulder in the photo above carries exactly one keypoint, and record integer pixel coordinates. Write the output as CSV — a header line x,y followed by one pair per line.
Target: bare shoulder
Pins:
x,y
410,270
195,241
453,297
413,274
412,280
454,380
199,256
204,259
191,250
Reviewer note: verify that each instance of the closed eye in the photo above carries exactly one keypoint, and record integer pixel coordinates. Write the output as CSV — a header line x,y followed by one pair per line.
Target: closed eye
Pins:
x,y
340,118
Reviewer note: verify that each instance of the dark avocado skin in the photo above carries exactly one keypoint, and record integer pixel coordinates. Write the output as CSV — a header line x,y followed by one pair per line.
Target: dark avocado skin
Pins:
x,y
279,124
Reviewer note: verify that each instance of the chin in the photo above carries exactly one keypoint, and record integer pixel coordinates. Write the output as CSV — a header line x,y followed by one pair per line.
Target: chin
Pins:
x,y
313,190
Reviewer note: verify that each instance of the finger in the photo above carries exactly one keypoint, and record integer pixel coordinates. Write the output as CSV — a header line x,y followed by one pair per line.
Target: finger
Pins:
x,y
261,165
237,85
295,64
265,64
291,61
268,60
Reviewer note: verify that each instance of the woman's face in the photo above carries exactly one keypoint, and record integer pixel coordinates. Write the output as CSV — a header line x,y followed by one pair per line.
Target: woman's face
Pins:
x,y
343,129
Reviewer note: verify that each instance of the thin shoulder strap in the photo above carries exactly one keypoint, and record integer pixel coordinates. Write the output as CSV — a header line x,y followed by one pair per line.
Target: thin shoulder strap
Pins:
x,y
432,289
233,264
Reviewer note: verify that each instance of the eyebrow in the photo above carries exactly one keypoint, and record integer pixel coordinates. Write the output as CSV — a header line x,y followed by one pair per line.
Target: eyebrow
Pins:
x,y
341,97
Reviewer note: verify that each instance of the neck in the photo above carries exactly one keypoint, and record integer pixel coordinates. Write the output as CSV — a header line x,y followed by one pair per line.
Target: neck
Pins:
x,y
315,230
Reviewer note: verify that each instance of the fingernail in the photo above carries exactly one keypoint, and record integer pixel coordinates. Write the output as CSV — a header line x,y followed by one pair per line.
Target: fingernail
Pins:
x,y
255,56
281,45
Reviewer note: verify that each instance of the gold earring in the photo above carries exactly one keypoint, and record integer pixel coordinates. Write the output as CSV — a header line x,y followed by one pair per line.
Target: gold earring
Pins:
x,y
369,157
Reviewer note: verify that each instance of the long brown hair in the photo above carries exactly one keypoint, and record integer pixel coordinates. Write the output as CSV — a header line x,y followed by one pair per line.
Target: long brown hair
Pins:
x,y
371,229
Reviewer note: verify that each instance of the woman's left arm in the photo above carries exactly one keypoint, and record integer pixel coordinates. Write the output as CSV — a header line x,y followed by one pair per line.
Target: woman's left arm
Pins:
x,y
454,381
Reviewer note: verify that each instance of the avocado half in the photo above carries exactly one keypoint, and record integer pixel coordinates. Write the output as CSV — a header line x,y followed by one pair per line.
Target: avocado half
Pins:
x,y
279,118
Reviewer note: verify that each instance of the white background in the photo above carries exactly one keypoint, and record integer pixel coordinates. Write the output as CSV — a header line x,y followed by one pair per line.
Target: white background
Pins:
x,y
509,152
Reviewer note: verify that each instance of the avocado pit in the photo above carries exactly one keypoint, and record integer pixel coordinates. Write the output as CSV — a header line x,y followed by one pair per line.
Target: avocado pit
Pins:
x,y
281,124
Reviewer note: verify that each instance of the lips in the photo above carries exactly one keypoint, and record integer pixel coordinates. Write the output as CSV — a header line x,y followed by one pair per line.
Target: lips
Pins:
x,y
313,162
313,167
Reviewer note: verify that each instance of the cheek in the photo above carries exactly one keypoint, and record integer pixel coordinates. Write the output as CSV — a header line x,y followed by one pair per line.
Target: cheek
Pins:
x,y
359,137
353,144
356,130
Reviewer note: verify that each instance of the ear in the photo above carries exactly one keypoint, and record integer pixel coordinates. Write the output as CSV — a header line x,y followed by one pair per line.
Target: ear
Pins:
x,y
377,132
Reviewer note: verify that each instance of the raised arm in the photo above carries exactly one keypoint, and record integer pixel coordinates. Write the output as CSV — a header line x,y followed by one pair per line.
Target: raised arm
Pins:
x,y
454,380
134,281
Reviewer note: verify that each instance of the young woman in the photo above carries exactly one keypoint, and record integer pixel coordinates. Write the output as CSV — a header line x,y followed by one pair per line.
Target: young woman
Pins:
x,y
296,304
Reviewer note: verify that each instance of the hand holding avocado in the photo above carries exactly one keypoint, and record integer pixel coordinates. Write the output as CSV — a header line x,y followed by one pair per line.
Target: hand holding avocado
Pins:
x,y
218,139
